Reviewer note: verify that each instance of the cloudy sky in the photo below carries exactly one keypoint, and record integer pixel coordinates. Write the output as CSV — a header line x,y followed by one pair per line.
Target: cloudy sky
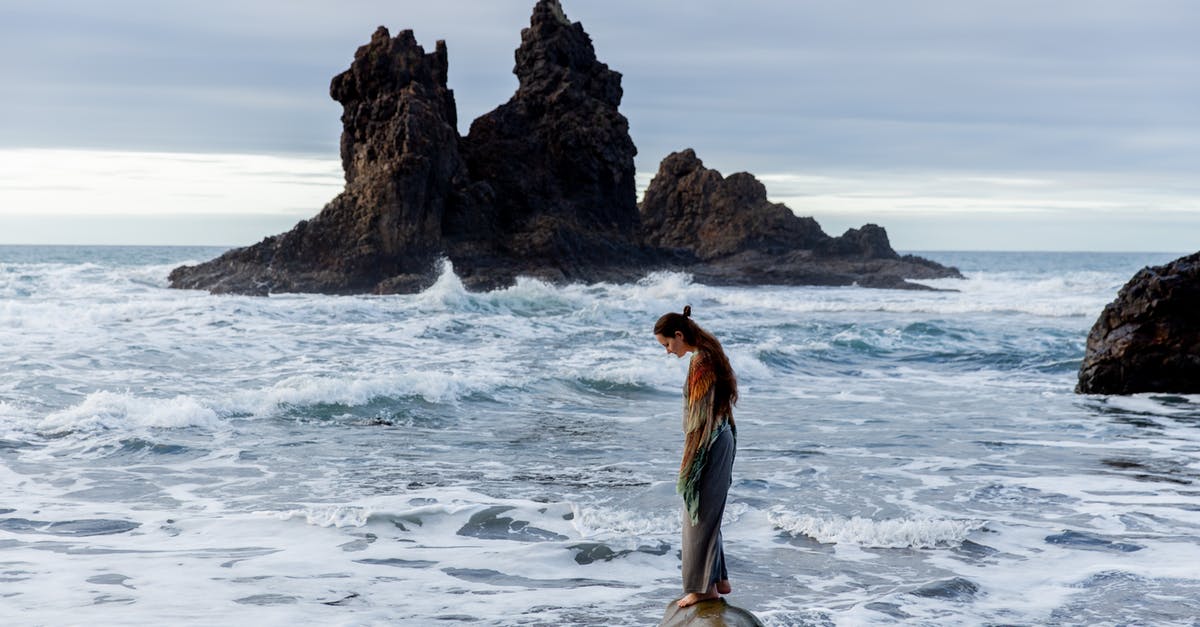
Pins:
x,y
1014,125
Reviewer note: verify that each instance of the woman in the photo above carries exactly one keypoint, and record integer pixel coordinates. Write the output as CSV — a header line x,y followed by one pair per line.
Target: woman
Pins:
x,y
710,439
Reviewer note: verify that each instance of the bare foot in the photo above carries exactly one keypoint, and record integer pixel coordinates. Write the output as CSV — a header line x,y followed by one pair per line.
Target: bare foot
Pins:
x,y
693,598
723,586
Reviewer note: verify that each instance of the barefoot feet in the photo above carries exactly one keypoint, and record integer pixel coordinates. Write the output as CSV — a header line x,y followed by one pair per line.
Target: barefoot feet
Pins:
x,y
693,598
723,586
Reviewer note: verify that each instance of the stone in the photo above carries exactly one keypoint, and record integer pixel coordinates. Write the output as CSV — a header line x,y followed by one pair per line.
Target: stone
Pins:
x,y
711,613
404,178
725,231
558,160
1148,338
693,209
542,186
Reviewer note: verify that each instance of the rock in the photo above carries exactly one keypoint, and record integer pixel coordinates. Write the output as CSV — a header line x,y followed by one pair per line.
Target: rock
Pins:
x,y
404,177
713,613
542,186
871,242
559,160
690,208
1148,339
727,232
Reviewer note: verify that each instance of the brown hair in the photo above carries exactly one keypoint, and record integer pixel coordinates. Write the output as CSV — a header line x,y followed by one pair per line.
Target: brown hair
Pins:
x,y
695,335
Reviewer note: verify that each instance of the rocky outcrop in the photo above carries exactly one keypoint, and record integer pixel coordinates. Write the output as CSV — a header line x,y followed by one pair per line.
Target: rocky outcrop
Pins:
x,y
693,209
404,178
733,234
713,613
1148,339
542,186
558,157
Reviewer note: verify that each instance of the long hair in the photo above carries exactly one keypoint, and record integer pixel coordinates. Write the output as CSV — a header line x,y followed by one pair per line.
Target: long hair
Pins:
x,y
726,393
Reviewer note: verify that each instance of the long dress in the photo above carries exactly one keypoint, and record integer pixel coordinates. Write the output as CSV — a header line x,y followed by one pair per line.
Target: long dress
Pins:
x,y
705,474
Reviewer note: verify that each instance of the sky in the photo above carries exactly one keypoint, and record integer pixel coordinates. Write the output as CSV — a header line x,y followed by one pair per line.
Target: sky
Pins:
x,y
980,125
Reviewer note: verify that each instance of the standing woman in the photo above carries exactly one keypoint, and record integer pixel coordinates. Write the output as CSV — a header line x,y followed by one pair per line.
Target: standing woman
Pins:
x,y
710,439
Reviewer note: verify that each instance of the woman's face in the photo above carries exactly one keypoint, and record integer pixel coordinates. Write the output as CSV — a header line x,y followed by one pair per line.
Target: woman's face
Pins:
x,y
674,344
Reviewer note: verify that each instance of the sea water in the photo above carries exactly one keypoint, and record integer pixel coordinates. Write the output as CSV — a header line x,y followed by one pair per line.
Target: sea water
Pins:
x,y
509,458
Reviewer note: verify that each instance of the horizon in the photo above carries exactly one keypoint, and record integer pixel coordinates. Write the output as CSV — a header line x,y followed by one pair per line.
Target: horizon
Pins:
x,y
1064,128
905,251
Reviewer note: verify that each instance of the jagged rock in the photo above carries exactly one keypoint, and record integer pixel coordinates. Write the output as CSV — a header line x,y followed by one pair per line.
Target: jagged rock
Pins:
x,y
692,208
871,242
735,235
542,186
1148,339
558,157
400,156
714,613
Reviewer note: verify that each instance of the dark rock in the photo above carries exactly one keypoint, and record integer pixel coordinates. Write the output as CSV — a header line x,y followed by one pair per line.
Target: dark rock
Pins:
x,y
1148,339
726,231
400,156
713,613
871,242
543,186
693,209
558,158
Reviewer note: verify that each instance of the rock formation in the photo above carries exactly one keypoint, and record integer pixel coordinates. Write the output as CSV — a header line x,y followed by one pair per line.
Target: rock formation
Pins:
x,y
713,613
733,234
558,156
542,186
1148,339
404,178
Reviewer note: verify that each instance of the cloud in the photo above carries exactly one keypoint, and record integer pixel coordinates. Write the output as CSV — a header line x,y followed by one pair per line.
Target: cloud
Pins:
x,y
47,182
904,101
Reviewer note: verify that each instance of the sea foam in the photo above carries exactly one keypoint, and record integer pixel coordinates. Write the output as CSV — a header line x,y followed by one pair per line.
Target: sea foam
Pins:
x,y
914,533
105,410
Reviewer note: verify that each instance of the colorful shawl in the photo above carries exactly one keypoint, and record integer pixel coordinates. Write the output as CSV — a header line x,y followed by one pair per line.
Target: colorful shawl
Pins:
x,y
700,428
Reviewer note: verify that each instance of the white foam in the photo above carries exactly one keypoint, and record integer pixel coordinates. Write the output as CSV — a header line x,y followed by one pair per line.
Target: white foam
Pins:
x,y
1154,404
105,410
432,386
327,515
605,522
447,293
916,533
1070,296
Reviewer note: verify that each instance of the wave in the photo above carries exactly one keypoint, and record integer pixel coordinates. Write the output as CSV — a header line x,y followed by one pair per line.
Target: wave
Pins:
x,y
432,386
593,522
526,297
102,411
447,512
1155,404
899,533
105,410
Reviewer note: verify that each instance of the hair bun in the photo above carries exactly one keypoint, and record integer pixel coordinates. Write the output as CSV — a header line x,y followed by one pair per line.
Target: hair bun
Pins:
x,y
687,311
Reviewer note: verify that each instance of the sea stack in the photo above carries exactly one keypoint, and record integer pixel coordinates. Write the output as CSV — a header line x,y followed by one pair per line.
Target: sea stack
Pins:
x,y
542,186
1148,339
558,160
404,179
729,233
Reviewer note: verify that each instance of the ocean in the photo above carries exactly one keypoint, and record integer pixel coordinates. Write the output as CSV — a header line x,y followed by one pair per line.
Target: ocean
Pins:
x,y
509,458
